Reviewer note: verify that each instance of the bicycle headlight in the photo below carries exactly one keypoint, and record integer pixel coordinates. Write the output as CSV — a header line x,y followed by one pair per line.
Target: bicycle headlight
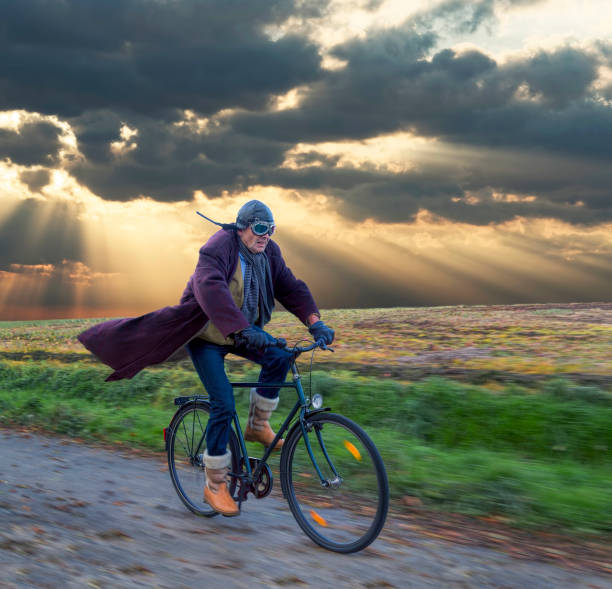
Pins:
x,y
317,401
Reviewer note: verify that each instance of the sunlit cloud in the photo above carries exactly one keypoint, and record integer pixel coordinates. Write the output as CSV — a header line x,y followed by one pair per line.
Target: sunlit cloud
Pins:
x,y
214,123
394,153
551,23
127,143
15,120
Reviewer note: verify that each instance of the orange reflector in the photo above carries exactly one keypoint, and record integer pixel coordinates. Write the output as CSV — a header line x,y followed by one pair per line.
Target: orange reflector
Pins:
x,y
351,448
314,515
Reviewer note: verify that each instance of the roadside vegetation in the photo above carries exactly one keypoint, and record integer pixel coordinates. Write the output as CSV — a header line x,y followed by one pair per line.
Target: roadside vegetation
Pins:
x,y
526,447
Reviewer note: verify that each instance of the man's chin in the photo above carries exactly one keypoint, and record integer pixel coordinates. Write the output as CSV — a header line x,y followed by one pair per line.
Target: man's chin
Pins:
x,y
257,249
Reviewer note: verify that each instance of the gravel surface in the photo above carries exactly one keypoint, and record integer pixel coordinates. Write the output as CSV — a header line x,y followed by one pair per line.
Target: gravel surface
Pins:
x,y
79,516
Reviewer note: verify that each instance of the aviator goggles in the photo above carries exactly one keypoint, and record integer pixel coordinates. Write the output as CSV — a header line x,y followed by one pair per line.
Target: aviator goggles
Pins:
x,y
260,228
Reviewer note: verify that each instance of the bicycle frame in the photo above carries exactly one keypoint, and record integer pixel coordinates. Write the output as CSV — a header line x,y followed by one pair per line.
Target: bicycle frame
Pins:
x,y
300,406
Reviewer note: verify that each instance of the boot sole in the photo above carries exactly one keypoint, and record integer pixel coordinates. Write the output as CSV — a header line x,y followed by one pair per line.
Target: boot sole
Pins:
x,y
224,514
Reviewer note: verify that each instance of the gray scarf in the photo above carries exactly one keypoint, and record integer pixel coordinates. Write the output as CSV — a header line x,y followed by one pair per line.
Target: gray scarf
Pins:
x,y
258,293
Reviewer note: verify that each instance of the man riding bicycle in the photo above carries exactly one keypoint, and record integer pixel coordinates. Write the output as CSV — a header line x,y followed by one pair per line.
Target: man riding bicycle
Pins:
x,y
226,303
238,309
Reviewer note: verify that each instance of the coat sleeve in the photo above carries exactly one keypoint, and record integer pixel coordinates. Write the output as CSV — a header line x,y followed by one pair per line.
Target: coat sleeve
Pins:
x,y
291,292
210,285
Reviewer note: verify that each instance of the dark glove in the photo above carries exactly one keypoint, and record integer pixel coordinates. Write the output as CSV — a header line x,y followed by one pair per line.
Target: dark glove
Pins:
x,y
320,331
251,338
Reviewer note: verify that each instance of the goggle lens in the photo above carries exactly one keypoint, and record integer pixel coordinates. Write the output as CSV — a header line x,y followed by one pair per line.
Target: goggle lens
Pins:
x,y
262,228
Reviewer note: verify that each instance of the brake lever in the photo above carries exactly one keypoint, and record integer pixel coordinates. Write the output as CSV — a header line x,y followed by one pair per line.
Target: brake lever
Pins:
x,y
324,346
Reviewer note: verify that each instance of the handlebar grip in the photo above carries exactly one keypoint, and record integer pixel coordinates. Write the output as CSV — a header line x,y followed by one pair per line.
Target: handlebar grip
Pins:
x,y
280,342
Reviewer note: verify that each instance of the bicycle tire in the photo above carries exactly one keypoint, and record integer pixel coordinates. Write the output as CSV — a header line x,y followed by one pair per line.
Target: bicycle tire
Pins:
x,y
186,431
345,517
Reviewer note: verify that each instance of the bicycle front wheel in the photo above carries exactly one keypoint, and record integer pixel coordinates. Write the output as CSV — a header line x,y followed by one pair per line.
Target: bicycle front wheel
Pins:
x,y
186,446
345,508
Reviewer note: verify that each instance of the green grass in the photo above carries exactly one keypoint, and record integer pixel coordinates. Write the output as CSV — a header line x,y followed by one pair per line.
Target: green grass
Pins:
x,y
539,458
562,421
562,494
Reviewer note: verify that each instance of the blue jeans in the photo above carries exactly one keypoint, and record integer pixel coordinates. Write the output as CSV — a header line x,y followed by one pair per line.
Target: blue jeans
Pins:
x,y
208,359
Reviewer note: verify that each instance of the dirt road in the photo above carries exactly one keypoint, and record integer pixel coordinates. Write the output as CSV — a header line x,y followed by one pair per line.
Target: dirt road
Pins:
x,y
76,516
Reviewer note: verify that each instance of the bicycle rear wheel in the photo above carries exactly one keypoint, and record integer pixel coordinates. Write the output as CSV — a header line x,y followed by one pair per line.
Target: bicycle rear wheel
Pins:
x,y
347,513
186,446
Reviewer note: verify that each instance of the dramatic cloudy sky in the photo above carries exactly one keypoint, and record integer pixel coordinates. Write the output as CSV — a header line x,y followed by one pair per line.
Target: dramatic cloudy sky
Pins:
x,y
414,153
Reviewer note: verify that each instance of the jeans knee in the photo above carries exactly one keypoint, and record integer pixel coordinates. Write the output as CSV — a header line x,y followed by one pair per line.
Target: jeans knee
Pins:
x,y
280,361
222,408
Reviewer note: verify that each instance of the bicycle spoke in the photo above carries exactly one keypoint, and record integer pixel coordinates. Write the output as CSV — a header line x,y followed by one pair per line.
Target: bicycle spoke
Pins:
x,y
203,430
192,427
188,450
201,426
185,448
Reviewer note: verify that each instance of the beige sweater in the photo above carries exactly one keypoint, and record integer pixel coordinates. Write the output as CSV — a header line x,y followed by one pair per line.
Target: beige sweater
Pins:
x,y
236,287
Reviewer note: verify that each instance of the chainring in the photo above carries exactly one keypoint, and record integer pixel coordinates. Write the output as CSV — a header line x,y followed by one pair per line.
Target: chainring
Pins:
x,y
263,485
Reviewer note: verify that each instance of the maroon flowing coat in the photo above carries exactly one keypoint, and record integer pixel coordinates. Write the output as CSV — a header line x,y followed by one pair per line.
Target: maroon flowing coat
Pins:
x,y
131,344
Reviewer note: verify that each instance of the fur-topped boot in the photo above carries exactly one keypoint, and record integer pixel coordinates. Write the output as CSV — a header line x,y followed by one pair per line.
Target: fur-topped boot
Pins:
x,y
258,426
216,493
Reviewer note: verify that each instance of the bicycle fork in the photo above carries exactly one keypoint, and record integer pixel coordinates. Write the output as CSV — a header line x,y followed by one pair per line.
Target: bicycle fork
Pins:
x,y
327,483
307,427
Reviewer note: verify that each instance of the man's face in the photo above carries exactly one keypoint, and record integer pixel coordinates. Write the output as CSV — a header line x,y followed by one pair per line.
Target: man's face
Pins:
x,y
255,243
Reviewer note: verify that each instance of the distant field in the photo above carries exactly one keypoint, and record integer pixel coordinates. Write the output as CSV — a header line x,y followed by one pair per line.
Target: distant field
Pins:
x,y
502,411
481,344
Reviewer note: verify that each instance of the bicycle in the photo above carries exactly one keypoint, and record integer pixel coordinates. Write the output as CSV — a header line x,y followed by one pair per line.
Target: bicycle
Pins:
x,y
331,473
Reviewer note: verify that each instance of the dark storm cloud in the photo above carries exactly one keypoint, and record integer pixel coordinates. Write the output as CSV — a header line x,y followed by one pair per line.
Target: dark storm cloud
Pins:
x,y
34,143
395,200
146,56
139,63
544,103
95,131
559,77
170,161
358,101
40,232
389,84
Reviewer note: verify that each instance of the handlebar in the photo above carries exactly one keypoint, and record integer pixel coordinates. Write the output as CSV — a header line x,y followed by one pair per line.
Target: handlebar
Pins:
x,y
282,343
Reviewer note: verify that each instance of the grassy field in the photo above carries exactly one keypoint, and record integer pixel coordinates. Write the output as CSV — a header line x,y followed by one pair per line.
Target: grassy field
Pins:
x,y
500,411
